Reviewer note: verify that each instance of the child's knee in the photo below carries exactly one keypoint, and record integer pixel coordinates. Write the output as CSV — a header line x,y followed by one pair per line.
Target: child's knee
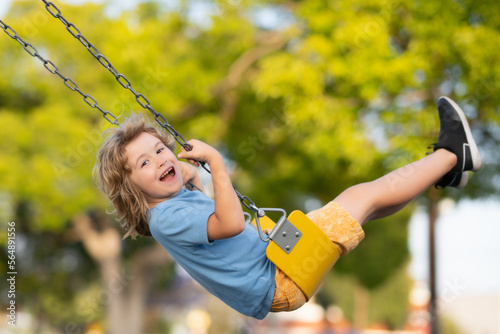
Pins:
x,y
359,201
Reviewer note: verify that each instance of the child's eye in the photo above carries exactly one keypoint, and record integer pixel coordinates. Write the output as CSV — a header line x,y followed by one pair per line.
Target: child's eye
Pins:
x,y
144,163
160,150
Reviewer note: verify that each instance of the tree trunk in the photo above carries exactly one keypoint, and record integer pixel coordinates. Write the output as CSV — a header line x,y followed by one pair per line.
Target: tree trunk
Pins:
x,y
113,287
104,247
433,197
361,307
143,261
122,295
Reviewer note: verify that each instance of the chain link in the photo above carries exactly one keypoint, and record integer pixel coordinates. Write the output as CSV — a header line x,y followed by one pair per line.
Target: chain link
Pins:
x,y
70,83
52,68
122,80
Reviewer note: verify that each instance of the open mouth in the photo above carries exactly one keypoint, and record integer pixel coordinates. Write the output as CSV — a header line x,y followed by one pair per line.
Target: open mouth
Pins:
x,y
168,175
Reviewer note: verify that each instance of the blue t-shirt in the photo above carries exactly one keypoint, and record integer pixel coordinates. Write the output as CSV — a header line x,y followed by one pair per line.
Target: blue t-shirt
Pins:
x,y
236,270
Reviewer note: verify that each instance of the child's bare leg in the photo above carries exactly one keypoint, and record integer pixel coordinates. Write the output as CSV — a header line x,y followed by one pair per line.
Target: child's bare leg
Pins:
x,y
390,193
455,153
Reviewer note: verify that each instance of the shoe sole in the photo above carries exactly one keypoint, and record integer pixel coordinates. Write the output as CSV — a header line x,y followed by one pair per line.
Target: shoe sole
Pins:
x,y
474,151
463,181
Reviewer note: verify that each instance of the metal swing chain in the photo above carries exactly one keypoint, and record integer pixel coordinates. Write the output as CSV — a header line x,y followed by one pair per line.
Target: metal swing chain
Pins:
x,y
71,84
124,82
52,68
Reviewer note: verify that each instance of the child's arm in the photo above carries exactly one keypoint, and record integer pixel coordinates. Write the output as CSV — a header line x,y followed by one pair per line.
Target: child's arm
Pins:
x,y
228,220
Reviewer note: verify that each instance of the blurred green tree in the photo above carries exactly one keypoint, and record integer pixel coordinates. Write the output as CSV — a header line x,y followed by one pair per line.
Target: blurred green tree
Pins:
x,y
326,95
364,77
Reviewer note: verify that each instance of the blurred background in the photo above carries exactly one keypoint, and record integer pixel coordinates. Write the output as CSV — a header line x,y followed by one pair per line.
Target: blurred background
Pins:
x,y
304,99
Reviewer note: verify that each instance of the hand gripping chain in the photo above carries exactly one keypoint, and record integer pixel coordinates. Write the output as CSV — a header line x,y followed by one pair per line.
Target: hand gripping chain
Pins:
x,y
122,80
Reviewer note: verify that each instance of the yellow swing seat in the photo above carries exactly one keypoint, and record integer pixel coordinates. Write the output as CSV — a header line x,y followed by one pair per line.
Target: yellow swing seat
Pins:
x,y
301,250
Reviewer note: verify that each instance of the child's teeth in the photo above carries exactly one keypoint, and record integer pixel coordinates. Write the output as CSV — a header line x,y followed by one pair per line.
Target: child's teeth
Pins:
x,y
166,173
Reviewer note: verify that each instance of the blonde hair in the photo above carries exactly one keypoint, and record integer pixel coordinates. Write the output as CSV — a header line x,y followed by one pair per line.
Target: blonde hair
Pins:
x,y
112,175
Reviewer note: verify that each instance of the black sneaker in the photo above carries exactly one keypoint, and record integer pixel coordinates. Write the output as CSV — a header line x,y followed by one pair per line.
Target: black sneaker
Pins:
x,y
456,180
456,137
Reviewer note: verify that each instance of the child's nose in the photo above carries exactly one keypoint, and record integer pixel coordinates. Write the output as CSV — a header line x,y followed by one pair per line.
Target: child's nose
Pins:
x,y
161,161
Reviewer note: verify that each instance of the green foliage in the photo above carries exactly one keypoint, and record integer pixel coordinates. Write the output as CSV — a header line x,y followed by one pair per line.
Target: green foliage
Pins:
x,y
448,326
387,303
341,95
383,249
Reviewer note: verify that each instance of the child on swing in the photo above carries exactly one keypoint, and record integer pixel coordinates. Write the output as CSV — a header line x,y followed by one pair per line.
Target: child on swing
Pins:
x,y
139,173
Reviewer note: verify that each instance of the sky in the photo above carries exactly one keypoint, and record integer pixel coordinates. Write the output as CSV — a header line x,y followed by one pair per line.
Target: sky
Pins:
x,y
114,5
468,251
4,6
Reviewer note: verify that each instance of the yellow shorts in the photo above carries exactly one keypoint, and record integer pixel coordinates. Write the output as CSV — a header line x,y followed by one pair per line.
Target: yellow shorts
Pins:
x,y
342,229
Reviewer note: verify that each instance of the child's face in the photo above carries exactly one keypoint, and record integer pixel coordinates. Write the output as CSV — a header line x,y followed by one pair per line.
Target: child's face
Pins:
x,y
155,169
